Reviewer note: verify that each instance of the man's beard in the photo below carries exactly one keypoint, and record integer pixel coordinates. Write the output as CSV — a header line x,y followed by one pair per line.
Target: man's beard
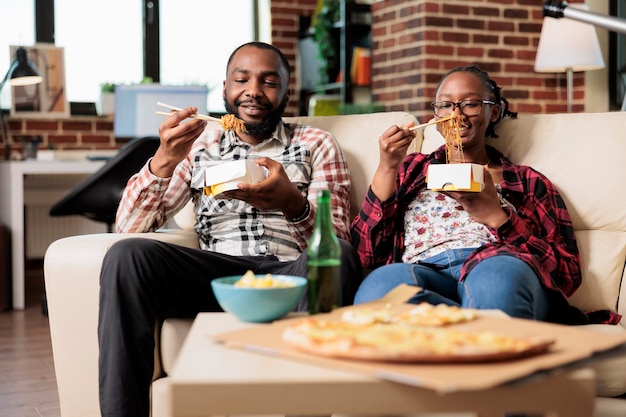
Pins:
x,y
265,126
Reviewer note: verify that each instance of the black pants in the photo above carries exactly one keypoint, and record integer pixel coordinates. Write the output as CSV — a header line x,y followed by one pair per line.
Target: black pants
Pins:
x,y
144,281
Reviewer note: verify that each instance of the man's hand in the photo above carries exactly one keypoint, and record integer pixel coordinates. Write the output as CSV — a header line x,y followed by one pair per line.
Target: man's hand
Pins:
x,y
176,141
484,207
276,192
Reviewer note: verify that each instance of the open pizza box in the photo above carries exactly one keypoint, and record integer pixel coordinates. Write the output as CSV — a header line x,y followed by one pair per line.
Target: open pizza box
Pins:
x,y
226,176
455,177
572,346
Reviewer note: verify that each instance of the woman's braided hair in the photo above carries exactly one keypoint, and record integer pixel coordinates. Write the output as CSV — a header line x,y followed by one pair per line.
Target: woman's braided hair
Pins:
x,y
493,88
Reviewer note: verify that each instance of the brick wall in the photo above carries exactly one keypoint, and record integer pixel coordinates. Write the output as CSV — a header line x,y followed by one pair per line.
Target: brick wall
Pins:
x,y
72,133
416,41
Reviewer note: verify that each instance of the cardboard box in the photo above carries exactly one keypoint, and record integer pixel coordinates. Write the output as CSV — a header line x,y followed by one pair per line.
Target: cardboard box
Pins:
x,y
572,344
455,177
226,176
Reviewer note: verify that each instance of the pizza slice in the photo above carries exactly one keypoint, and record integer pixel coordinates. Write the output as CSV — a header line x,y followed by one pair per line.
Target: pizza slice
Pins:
x,y
397,342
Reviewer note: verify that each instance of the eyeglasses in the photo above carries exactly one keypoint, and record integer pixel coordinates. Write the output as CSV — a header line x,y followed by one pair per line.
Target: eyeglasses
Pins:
x,y
467,107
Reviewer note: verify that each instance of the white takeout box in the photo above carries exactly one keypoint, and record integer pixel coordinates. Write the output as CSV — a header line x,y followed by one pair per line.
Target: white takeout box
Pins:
x,y
455,177
226,176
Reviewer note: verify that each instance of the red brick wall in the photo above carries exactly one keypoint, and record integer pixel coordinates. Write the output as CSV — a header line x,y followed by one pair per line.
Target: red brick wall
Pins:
x,y
417,41
73,133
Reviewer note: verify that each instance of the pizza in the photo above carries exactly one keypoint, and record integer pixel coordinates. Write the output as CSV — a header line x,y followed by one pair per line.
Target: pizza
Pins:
x,y
424,314
410,336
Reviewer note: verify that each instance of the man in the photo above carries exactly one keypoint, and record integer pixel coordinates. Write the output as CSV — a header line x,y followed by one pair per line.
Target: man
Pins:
x,y
262,227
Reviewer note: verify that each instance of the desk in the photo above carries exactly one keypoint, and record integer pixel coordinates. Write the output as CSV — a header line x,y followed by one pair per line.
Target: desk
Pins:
x,y
210,379
13,196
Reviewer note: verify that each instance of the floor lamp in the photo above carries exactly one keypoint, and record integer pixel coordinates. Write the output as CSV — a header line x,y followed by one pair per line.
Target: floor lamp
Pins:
x,y
568,46
21,72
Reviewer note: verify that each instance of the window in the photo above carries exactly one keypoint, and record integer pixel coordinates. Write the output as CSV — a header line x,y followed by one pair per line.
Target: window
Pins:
x,y
196,39
105,48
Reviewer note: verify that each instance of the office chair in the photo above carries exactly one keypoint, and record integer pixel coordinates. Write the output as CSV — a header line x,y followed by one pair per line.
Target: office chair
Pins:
x,y
98,196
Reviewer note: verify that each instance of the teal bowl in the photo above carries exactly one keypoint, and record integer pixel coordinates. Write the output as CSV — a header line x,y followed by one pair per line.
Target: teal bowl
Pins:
x,y
258,305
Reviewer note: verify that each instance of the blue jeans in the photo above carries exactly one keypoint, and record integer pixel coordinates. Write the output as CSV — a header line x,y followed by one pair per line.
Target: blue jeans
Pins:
x,y
500,282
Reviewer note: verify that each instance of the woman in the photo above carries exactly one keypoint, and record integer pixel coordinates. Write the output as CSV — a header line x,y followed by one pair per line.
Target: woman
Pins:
x,y
509,247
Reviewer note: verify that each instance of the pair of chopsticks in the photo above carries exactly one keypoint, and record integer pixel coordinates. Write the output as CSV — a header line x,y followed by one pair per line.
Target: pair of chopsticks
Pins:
x,y
194,116
432,122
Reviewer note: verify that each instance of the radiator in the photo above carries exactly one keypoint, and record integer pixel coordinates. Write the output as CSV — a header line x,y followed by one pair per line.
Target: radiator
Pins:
x,y
41,192
42,230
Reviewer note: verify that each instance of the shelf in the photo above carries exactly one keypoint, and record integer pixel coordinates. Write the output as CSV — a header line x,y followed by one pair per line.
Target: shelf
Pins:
x,y
352,30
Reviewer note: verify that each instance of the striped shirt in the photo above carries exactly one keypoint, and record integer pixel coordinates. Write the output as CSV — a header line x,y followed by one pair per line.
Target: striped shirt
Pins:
x,y
311,158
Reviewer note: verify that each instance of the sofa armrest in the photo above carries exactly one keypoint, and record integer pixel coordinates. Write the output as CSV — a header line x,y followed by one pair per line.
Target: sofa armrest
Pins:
x,y
71,274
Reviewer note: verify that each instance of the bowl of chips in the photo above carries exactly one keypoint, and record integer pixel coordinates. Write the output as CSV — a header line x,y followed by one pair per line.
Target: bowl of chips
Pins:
x,y
259,298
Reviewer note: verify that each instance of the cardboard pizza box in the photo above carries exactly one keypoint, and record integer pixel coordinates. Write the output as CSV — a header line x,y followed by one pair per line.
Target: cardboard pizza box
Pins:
x,y
226,176
455,177
572,346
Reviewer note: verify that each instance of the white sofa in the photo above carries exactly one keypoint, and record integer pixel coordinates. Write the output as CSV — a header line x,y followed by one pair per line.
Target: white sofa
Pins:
x,y
581,153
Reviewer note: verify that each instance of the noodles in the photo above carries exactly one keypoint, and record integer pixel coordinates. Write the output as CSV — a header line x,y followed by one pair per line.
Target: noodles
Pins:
x,y
451,131
231,122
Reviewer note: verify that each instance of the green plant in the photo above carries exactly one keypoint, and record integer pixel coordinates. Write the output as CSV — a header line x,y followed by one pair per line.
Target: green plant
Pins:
x,y
107,88
325,20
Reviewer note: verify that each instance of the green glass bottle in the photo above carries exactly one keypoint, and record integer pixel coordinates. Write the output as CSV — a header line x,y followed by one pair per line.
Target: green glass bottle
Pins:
x,y
323,260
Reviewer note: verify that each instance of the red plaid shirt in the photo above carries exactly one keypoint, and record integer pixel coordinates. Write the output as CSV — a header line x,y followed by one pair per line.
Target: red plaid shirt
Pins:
x,y
539,231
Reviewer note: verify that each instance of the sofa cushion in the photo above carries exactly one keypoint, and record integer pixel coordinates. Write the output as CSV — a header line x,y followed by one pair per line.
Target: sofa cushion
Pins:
x,y
357,135
173,334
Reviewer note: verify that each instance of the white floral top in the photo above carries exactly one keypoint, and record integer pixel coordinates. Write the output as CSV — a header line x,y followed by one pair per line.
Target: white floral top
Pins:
x,y
435,222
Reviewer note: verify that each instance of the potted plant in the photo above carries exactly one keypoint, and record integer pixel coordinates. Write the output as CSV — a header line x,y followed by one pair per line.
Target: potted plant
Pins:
x,y
107,99
323,33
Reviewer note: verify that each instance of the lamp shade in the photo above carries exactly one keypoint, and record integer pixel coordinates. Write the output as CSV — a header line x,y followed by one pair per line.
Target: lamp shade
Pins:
x,y
23,72
568,44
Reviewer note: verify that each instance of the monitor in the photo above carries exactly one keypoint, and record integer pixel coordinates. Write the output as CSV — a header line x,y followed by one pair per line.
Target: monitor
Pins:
x,y
136,106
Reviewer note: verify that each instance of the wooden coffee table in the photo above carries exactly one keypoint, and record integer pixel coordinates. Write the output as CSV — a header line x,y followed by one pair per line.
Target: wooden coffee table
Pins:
x,y
211,379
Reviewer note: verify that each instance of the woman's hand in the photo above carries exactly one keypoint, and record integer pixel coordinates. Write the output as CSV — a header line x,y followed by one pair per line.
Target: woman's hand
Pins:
x,y
484,207
393,145
176,141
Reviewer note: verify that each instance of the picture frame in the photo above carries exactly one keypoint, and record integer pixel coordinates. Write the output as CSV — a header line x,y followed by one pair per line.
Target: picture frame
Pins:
x,y
48,98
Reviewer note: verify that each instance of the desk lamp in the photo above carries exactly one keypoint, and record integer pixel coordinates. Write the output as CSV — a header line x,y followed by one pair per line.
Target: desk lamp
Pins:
x,y
21,72
568,46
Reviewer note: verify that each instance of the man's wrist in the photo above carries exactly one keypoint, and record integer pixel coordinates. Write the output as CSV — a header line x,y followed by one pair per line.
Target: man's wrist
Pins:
x,y
303,214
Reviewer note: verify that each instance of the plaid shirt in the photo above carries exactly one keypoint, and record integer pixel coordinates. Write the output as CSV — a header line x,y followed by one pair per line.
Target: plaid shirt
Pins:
x,y
539,231
310,156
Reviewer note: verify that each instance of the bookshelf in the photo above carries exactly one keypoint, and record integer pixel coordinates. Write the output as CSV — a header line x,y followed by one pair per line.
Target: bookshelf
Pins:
x,y
352,34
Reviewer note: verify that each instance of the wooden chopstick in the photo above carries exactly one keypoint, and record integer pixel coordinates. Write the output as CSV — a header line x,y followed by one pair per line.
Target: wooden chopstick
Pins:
x,y
194,116
432,122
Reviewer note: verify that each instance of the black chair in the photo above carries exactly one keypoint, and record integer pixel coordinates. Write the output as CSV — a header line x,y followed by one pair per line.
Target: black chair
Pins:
x,y
98,196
